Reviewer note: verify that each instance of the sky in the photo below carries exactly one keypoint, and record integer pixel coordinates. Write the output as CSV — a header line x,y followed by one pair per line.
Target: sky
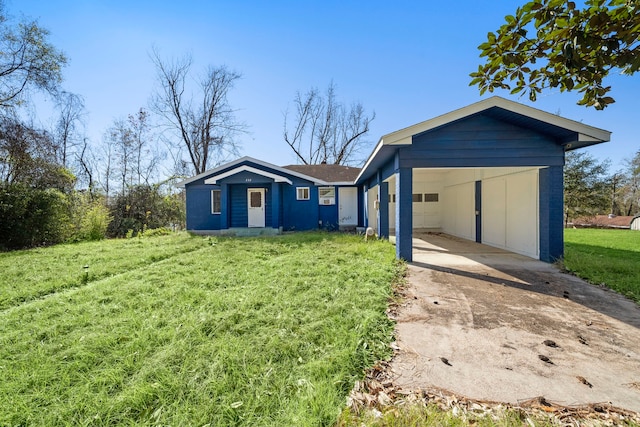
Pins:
x,y
407,61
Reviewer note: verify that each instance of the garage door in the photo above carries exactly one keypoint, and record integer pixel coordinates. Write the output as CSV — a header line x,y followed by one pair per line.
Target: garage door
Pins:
x,y
510,212
459,208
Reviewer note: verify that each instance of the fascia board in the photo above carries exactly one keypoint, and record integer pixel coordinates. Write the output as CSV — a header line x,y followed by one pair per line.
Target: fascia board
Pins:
x,y
252,160
277,178
403,136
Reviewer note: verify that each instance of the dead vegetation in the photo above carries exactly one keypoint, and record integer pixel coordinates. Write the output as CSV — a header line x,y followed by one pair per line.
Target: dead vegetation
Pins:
x,y
376,396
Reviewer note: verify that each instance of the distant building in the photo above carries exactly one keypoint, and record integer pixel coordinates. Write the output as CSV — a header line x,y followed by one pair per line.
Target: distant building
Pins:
x,y
604,221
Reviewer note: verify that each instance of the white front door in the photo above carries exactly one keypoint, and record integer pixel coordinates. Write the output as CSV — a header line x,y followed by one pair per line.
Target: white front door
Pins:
x,y
255,200
347,206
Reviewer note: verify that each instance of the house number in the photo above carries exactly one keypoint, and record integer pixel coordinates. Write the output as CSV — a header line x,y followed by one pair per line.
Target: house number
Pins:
x,y
247,180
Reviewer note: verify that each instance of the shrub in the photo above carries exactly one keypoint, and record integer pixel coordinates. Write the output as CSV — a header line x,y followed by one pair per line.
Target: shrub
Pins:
x,y
152,232
90,216
143,207
95,222
33,217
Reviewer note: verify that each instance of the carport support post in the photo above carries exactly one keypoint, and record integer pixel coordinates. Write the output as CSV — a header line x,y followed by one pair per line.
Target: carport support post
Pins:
x,y
275,205
383,210
551,188
224,206
404,214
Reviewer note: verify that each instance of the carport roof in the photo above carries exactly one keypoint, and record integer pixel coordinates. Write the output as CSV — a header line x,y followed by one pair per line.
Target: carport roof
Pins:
x,y
568,133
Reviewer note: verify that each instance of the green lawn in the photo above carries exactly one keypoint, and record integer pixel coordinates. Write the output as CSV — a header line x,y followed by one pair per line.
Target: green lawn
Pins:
x,y
609,257
181,330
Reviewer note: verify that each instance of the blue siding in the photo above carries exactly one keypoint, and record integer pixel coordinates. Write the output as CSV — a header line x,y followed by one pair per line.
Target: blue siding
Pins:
x,y
299,214
198,204
383,212
404,214
239,207
481,141
240,204
478,208
328,215
551,190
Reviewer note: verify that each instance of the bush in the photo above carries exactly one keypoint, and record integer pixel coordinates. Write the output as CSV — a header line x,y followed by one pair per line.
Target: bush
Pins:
x,y
143,207
90,216
95,222
33,217
153,232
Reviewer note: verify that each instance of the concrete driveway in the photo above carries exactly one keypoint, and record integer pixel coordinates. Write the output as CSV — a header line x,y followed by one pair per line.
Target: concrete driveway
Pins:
x,y
493,325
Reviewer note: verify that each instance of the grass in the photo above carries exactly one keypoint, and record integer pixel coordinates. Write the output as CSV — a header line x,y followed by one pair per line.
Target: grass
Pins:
x,y
609,257
191,331
31,274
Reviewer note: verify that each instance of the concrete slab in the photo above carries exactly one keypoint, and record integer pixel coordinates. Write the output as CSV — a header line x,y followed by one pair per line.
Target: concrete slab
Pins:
x,y
477,320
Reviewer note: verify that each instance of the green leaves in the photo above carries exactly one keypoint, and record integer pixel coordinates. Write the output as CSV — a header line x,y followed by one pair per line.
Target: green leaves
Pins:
x,y
573,49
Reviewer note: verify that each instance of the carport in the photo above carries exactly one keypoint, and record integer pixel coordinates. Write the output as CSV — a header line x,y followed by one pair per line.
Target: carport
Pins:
x,y
490,172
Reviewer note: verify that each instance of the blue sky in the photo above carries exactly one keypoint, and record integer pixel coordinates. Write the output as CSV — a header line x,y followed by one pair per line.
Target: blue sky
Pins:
x,y
408,61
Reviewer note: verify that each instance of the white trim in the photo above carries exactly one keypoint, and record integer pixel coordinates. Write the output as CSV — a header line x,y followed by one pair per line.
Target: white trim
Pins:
x,y
327,199
244,168
303,188
404,136
220,202
315,181
372,156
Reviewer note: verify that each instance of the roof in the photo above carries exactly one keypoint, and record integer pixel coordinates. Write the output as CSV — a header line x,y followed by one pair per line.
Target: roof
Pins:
x,y
570,133
612,221
328,173
318,174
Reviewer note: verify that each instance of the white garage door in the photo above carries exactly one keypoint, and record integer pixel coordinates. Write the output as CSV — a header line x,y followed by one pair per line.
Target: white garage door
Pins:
x,y
459,208
510,212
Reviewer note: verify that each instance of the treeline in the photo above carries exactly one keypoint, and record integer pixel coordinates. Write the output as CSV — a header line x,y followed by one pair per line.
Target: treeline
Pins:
x,y
590,188
40,203
55,184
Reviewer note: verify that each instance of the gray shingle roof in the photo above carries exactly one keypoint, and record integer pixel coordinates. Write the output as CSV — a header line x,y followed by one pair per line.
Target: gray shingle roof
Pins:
x,y
326,172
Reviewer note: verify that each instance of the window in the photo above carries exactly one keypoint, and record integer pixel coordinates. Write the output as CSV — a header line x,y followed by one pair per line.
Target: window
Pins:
x,y
417,197
302,193
431,197
215,201
327,195
255,199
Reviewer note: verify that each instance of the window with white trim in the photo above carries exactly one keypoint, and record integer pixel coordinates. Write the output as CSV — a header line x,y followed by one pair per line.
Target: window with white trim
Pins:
x,y
215,201
327,195
302,193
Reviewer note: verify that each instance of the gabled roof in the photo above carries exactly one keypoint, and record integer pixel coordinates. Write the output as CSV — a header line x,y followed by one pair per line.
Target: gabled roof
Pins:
x,y
318,174
334,174
246,168
570,133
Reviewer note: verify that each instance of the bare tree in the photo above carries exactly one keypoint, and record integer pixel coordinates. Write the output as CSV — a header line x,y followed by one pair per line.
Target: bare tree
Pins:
x,y
631,185
203,122
130,152
27,60
70,120
121,145
25,156
146,157
87,162
107,162
325,130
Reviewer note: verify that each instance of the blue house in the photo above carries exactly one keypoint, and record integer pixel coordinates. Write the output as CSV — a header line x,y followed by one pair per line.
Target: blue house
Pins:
x,y
491,172
249,195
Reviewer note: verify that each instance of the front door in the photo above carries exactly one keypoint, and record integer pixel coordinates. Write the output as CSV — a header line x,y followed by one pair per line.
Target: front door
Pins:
x,y
348,206
255,200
